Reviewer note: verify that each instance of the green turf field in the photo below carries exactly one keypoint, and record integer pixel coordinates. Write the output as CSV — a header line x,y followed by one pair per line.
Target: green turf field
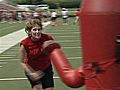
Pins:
x,y
11,75
8,27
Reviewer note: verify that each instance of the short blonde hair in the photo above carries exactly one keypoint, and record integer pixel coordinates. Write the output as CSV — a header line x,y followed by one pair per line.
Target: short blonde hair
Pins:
x,y
32,23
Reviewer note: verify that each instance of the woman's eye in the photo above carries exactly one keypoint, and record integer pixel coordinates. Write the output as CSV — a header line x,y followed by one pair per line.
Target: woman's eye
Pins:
x,y
39,29
36,29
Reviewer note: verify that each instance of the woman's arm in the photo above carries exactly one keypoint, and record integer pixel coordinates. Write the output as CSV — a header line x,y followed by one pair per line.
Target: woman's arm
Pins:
x,y
22,60
29,70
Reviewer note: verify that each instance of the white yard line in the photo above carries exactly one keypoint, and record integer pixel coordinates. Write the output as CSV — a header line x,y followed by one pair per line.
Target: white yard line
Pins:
x,y
10,60
66,41
64,33
6,57
3,62
11,79
71,47
67,36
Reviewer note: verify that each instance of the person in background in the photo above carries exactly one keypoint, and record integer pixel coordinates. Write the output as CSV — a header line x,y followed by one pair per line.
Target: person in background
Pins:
x,y
36,14
37,67
64,15
19,16
53,18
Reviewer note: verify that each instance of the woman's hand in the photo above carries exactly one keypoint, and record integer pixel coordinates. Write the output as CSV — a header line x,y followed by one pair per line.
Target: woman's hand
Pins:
x,y
36,75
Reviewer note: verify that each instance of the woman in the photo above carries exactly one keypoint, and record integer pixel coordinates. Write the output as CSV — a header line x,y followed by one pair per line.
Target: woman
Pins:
x,y
37,66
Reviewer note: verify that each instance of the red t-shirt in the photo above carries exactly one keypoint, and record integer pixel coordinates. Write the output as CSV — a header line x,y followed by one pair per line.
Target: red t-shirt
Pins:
x,y
34,58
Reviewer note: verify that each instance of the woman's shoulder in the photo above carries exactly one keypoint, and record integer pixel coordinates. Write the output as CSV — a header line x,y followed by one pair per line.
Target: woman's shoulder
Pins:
x,y
26,40
47,36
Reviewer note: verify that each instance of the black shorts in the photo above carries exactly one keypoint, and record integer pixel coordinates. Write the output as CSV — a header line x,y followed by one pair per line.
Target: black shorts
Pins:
x,y
46,81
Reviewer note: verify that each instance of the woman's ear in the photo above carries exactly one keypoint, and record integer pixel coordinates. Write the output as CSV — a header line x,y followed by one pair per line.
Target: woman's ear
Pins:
x,y
29,33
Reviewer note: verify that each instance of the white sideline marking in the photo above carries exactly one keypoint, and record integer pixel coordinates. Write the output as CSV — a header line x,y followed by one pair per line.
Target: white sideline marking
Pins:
x,y
5,41
11,79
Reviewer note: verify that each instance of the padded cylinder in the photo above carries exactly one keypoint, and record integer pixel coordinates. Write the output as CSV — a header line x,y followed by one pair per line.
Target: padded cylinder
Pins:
x,y
100,23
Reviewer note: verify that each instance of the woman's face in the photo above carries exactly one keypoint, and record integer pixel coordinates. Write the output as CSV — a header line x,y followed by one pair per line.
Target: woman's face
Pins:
x,y
36,33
